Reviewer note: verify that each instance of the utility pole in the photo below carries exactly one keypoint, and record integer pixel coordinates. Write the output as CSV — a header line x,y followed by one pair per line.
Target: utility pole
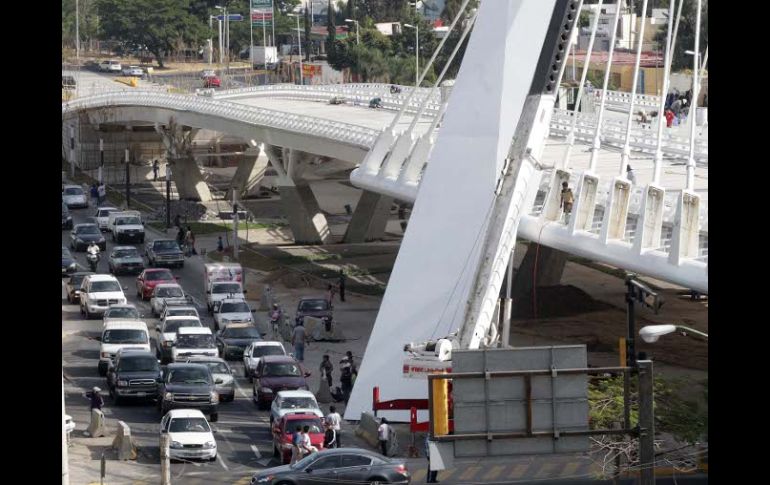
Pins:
x,y
165,460
646,423
72,152
77,32
168,196
235,228
101,159
128,181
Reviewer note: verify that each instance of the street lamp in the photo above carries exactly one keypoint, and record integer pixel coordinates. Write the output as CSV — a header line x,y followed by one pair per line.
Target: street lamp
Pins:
x,y
651,333
416,52
355,22
299,46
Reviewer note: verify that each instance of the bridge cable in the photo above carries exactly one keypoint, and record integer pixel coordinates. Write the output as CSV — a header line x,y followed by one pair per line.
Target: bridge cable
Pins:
x,y
664,91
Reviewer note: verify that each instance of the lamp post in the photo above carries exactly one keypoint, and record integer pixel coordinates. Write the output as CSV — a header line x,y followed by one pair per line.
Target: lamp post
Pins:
x,y
651,333
416,52
299,46
355,22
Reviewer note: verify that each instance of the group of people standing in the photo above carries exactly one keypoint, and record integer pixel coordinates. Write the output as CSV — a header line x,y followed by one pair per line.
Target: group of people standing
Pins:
x,y
185,238
677,107
98,193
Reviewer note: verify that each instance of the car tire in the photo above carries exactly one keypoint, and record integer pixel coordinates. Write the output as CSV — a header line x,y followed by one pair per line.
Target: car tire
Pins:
x,y
213,458
377,481
214,417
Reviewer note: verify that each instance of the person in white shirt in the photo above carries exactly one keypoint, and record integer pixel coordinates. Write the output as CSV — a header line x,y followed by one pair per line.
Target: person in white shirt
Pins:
x,y
335,420
383,434
305,445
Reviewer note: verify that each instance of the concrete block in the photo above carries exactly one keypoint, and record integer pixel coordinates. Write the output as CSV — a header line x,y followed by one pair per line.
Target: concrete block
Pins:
x,y
96,428
123,443
323,394
367,429
308,224
369,218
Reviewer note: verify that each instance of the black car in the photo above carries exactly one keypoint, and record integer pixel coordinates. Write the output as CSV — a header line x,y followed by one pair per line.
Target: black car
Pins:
x,y
133,374
313,307
72,287
188,386
66,218
337,465
164,252
68,263
83,234
234,339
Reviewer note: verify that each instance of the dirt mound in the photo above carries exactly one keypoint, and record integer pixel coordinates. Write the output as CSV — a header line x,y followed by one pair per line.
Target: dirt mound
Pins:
x,y
556,302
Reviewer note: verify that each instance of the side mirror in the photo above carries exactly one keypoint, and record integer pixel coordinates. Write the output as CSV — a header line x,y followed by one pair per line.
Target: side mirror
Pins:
x,y
218,381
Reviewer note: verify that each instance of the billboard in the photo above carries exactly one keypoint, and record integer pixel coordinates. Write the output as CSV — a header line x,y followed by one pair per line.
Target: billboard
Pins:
x,y
261,13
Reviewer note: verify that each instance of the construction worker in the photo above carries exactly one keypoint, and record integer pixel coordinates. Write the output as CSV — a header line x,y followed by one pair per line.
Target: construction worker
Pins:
x,y
567,199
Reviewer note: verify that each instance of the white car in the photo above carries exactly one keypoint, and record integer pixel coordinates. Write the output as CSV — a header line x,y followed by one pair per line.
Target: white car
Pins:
x,y
165,293
208,73
128,228
167,334
232,311
127,311
110,66
122,335
220,290
189,435
301,402
255,351
178,311
103,216
74,196
133,71
192,341
98,292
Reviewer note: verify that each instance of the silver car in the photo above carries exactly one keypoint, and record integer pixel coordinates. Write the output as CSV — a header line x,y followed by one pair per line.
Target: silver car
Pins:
x,y
74,196
224,380
125,259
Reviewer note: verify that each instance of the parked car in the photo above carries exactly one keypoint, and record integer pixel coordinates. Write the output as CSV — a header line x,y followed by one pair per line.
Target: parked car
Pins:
x,y
66,217
164,252
68,263
254,353
338,465
82,235
72,286
284,428
167,334
110,66
234,338
133,71
286,402
121,335
98,292
189,435
166,292
74,197
229,311
277,373
212,82
103,216
188,386
149,278
224,381
318,307
192,341
133,374
125,259
127,311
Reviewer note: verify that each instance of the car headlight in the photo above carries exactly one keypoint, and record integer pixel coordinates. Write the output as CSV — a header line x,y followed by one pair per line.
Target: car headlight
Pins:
x,y
176,444
73,264
79,241
266,390
105,355
101,240
214,396
169,396
122,383
209,445
264,479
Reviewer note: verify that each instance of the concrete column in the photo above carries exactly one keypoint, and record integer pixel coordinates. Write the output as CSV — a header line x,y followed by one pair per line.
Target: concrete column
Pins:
x,y
369,218
248,176
550,267
189,180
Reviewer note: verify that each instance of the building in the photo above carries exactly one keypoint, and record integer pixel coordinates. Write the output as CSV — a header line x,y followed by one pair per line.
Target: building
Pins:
x,y
622,71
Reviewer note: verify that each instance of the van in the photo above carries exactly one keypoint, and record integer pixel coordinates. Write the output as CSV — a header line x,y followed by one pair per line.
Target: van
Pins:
x,y
222,272
121,335
193,341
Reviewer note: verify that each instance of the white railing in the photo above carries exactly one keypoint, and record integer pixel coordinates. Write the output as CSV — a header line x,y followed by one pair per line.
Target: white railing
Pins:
x,y
622,99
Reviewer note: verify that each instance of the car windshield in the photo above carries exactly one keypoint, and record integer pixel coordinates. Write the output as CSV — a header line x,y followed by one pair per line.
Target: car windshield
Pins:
x,y
138,364
126,221
126,253
227,288
181,312
189,425
159,276
174,325
239,307
241,332
73,191
282,370
76,280
169,292
313,305
99,286
313,424
264,350
86,229
189,375
197,341
165,245
298,403
124,336
104,212
121,312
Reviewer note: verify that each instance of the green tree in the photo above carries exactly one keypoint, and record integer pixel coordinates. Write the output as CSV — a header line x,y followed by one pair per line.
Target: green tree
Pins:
x,y
89,21
331,32
451,7
370,63
686,34
308,25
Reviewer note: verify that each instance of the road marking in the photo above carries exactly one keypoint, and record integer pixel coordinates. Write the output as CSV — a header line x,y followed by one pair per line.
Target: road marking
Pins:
x,y
570,469
518,471
445,474
240,389
546,470
494,472
469,473
256,451
222,462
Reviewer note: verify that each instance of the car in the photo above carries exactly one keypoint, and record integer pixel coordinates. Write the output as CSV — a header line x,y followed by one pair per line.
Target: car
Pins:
x,y
125,259
127,228
103,216
164,252
167,294
149,278
229,311
66,217
110,66
188,386
82,235
189,435
126,311
68,82
277,373
192,341
72,286
69,424
219,290
286,402
224,381
178,311
68,263
284,428
234,338
74,197
133,374
133,71
338,465
98,292
167,334
318,307
118,335
212,82
208,73
254,352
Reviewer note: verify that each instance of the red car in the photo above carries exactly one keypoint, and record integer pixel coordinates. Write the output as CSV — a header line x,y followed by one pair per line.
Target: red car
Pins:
x,y
212,82
149,278
284,429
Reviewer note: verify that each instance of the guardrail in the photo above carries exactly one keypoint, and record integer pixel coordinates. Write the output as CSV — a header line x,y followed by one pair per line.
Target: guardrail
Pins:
x,y
622,99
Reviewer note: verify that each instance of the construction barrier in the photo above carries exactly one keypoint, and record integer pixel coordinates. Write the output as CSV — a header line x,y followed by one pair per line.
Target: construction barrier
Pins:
x,y
367,429
96,428
124,443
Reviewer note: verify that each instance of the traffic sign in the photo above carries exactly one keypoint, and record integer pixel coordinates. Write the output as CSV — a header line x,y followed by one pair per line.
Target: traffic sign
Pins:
x,y
232,17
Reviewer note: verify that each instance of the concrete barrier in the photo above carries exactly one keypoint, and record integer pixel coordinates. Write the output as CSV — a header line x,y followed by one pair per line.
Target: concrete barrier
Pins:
x,y
124,443
323,394
96,428
367,429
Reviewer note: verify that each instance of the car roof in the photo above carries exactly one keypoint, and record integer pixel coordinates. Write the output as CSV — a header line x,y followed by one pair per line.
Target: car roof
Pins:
x,y
194,330
265,343
180,307
168,285
157,270
297,393
186,413
298,416
122,305
115,248
173,318
240,325
136,353
83,224
101,277
123,324
69,186
233,300
278,359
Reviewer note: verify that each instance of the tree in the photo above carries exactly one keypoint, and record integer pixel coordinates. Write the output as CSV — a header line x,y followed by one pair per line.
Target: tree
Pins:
x,y
451,7
331,32
308,24
686,34
350,10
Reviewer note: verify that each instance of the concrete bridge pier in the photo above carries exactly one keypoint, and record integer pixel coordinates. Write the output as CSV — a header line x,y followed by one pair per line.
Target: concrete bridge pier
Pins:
x,y
547,266
249,174
369,218
185,171
307,222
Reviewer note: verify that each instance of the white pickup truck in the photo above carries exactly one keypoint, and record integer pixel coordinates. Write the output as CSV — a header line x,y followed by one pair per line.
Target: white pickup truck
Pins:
x,y
126,226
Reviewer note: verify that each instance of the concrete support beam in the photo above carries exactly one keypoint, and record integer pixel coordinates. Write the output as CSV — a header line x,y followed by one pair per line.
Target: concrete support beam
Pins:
x,y
185,171
248,176
550,267
369,218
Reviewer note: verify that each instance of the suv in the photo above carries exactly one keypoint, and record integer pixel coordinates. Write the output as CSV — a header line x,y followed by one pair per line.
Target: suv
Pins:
x,y
313,307
164,252
133,374
254,353
122,334
220,290
167,334
284,429
193,341
224,380
98,292
229,311
110,66
166,294
276,373
286,402
125,259
127,228
234,338
188,386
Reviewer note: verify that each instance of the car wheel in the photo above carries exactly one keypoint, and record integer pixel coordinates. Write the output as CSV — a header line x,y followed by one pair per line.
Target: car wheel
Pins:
x,y
213,458
214,417
377,481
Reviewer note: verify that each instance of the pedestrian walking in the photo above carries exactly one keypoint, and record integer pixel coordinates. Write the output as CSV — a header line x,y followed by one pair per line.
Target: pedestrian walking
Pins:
x,y
220,244
192,241
383,435
330,437
155,168
102,193
298,341
335,420
341,284
567,199
94,194
330,293
630,175
326,369
178,221
188,241
347,374
669,118
432,476
97,401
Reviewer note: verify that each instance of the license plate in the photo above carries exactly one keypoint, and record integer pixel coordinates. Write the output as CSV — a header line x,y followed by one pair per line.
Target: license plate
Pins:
x,y
141,394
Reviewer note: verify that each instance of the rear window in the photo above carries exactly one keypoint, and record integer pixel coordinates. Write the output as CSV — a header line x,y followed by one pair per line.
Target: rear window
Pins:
x,y
73,191
174,325
239,307
313,305
124,336
313,424
121,312
226,288
241,332
159,276
99,286
181,312
264,350
172,292
165,245
126,253
195,341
